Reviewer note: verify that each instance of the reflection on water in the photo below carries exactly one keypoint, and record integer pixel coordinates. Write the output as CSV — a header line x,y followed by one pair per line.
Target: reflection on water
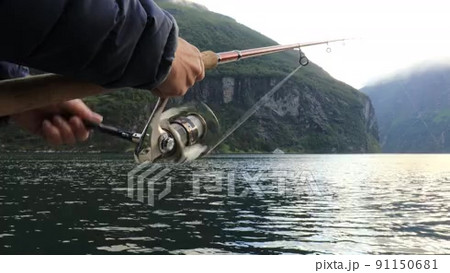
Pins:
x,y
349,204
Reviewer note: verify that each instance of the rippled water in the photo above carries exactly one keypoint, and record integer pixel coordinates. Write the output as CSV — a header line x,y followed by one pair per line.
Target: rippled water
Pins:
x,y
337,204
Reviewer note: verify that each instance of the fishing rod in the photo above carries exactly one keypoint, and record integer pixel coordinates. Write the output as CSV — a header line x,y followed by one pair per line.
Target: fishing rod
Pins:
x,y
20,95
236,55
178,135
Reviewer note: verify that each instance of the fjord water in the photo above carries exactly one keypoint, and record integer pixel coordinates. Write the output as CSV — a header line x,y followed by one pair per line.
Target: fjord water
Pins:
x,y
258,204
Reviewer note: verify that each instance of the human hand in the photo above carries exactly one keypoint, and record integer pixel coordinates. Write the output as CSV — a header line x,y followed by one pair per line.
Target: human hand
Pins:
x,y
54,124
187,69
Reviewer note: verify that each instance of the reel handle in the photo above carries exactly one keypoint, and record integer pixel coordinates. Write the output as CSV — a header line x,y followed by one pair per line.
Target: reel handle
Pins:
x,y
113,131
20,95
109,130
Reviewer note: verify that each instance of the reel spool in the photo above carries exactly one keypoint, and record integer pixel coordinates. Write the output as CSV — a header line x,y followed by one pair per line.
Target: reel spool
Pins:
x,y
178,134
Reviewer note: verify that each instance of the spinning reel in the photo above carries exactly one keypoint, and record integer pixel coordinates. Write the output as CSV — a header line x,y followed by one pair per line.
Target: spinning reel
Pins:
x,y
178,134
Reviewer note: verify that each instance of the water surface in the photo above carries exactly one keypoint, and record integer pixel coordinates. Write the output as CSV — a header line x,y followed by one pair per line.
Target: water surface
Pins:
x,y
261,204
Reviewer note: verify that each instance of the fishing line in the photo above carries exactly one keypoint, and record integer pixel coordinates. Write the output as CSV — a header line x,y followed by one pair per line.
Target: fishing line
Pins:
x,y
253,109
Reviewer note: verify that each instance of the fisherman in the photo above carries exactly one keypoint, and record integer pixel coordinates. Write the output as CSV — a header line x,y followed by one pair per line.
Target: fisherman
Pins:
x,y
113,43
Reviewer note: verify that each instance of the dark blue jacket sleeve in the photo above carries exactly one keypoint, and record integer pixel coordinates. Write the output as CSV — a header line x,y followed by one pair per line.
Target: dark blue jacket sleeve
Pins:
x,y
114,43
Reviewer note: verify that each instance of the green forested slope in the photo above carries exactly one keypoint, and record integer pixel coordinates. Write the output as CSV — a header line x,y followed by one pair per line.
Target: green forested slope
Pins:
x,y
311,113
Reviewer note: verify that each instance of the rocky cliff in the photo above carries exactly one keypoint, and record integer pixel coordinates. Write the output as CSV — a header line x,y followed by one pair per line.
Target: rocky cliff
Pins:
x,y
300,117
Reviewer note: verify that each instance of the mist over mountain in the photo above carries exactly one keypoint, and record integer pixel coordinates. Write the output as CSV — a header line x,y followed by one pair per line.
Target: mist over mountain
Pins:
x,y
311,113
413,109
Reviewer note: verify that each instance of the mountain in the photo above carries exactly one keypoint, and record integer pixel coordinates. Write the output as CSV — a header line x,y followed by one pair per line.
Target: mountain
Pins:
x,y
413,110
311,113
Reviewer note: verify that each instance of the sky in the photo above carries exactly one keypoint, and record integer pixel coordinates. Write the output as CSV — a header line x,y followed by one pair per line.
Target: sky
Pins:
x,y
391,35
